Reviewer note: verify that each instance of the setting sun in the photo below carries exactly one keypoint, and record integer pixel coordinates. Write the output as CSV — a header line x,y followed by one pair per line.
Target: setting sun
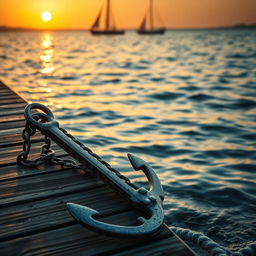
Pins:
x,y
46,16
80,14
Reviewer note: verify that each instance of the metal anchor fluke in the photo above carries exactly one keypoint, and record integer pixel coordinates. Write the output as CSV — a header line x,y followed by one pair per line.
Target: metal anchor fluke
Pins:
x,y
149,201
154,183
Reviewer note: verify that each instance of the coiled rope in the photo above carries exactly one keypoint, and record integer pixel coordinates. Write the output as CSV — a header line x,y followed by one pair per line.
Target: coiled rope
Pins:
x,y
209,245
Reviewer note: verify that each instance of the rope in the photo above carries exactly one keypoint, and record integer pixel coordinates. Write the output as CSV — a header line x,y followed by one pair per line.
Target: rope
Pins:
x,y
209,245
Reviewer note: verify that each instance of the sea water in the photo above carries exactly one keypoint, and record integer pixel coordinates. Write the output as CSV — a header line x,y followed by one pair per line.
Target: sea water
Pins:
x,y
185,102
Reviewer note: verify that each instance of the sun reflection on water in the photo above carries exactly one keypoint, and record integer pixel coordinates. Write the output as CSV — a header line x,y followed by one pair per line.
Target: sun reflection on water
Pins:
x,y
46,54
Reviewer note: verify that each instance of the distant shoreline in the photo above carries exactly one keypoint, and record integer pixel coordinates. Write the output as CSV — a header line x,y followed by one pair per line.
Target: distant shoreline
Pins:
x,y
21,29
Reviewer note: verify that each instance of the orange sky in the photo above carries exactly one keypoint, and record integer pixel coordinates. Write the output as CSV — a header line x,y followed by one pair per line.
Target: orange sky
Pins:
x,y
81,13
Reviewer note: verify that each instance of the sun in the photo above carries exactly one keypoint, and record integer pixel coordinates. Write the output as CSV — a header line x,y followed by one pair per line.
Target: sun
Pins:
x,y
46,16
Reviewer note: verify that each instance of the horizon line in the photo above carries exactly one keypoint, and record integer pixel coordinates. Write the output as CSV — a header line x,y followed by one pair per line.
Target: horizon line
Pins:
x,y
10,28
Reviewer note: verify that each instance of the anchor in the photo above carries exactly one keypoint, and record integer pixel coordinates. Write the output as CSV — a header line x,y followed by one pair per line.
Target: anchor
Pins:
x,y
148,201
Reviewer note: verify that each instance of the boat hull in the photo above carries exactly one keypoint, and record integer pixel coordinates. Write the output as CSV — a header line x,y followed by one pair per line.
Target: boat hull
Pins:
x,y
107,32
151,32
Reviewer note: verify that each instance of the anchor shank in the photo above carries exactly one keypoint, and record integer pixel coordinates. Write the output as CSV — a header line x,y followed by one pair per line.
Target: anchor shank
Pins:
x,y
86,159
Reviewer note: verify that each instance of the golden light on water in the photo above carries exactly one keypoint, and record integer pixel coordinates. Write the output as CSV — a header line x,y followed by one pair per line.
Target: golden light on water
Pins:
x,y
46,55
46,16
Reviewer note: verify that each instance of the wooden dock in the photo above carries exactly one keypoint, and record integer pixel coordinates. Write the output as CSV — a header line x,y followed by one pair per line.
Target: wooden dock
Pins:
x,y
33,217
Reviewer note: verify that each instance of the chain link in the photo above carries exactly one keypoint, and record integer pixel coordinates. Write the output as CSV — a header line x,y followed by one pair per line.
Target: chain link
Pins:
x,y
48,155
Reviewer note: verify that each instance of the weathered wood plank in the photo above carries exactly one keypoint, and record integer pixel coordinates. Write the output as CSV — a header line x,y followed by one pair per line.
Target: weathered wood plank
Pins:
x,y
12,111
11,118
75,240
43,186
6,93
16,139
36,216
11,159
2,86
11,131
12,124
13,97
10,169
10,101
9,154
15,105
17,171
13,93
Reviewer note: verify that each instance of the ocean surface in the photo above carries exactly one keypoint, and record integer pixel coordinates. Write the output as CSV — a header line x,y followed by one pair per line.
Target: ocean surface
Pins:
x,y
185,102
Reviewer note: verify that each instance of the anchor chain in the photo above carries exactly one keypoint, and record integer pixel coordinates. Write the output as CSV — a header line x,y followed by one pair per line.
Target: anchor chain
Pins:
x,y
48,155
88,150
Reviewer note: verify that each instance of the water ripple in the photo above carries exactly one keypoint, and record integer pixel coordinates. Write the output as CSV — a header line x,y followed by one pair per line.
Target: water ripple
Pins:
x,y
184,102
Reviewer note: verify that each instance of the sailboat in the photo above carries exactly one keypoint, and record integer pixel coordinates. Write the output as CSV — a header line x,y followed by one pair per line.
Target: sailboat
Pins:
x,y
109,25
147,24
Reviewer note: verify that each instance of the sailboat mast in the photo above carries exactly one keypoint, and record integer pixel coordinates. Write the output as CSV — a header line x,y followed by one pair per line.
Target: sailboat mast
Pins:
x,y
151,14
107,14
